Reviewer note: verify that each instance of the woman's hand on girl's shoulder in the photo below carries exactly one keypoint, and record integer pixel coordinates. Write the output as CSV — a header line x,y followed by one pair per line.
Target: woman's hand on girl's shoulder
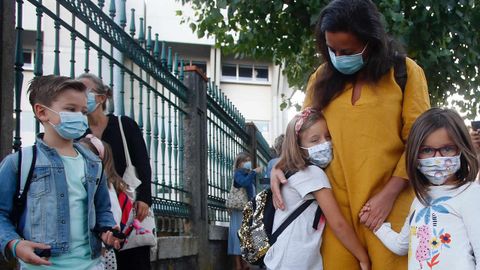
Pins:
x,y
277,177
25,251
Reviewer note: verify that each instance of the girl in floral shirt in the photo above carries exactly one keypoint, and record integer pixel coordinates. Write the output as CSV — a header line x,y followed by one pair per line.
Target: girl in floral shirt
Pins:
x,y
442,229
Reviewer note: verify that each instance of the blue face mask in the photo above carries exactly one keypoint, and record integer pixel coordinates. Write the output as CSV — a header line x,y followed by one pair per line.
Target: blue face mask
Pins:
x,y
247,165
347,64
91,102
72,124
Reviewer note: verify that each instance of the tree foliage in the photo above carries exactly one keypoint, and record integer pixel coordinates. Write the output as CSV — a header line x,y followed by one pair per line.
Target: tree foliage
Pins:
x,y
441,35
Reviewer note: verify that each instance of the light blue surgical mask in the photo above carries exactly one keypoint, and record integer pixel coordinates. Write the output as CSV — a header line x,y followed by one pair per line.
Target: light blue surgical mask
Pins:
x,y
247,165
72,124
347,64
91,101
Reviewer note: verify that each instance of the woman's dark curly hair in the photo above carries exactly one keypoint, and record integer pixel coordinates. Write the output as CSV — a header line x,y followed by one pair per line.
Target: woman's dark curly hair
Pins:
x,y
362,19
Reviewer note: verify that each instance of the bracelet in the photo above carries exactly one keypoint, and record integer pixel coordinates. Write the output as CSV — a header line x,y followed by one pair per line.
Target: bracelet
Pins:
x,y
14,248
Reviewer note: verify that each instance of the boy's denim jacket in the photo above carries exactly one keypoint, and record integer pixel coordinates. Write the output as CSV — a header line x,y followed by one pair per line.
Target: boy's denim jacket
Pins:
x,y
46,218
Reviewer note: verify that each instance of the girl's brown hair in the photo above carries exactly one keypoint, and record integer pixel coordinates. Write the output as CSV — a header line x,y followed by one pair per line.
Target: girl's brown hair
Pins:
x,y
294,158
108,165
426,124
240,158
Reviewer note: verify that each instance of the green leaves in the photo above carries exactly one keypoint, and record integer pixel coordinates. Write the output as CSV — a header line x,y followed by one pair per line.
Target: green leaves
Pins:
x,y
440,35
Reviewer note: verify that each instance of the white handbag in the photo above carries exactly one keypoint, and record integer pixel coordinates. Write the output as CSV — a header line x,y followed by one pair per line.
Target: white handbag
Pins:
x,y
130,175
138,233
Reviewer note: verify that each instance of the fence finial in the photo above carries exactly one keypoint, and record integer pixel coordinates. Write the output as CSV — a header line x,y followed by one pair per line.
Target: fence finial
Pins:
x,y
163,57
112,10
169,59
175,65
141,33
156,49
149,39
132,23
182,72
123,13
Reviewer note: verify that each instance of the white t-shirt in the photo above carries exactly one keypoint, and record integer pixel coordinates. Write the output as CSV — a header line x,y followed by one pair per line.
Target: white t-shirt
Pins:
x,y
115,205
298,246
444,235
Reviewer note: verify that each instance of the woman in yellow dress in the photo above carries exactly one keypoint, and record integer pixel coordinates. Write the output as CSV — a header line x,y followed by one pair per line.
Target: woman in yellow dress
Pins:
x,y
369,116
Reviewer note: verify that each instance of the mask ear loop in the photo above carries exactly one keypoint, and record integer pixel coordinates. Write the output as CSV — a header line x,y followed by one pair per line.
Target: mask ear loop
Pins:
x,y
98,145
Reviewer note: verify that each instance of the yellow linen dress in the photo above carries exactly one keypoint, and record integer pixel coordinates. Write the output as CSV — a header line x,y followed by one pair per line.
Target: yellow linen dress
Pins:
x,y
368,145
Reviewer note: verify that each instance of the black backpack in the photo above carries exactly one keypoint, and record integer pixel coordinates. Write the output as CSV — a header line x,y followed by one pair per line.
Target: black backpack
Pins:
x,y
400,71
26,163
255,233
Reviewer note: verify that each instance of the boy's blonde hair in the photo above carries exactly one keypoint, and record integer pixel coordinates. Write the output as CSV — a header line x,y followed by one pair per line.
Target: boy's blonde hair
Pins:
x,y
108,165
294,158
45,89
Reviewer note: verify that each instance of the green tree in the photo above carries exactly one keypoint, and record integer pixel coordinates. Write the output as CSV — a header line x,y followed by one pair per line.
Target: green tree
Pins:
x,y
441,35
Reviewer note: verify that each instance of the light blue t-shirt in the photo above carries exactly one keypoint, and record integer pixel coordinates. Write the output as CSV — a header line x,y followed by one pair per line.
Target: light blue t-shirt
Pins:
x,y
79,256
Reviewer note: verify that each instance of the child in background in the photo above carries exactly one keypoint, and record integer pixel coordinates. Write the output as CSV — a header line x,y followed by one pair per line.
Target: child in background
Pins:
x,y
307,149
442,229
277,146
244,177
67,202
115,186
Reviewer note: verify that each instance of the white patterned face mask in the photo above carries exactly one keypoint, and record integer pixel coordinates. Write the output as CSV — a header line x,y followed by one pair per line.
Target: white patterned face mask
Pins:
x,y
320,154
438,169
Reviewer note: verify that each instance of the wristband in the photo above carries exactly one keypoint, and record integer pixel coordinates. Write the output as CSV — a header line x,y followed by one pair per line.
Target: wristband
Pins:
x,y
14,248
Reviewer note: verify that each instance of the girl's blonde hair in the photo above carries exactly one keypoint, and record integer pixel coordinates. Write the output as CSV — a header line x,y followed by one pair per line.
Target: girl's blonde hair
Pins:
x,y
240,158
294,158
108,165
426,124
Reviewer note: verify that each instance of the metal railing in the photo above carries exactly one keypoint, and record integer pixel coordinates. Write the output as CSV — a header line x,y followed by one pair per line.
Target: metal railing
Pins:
x,y
70,37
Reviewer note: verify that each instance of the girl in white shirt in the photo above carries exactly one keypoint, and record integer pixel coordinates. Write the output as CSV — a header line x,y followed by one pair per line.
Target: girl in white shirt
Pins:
x,y
307,142
115,186
442,228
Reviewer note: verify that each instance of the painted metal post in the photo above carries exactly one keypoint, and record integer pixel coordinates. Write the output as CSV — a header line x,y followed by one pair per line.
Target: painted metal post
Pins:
x,y
252,143
72,49
132,80
38,65
101,4
18,75
56,65
141,41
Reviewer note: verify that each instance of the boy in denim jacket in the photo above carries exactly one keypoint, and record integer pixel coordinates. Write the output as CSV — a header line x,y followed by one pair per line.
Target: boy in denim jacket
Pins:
x,y
67,203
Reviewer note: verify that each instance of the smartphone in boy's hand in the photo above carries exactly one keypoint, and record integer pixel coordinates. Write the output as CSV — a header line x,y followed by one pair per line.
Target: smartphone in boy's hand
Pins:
x,y
116,233
43,253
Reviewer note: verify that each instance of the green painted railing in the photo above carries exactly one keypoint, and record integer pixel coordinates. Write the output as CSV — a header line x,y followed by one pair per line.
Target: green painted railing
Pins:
x,y
79,36
227,136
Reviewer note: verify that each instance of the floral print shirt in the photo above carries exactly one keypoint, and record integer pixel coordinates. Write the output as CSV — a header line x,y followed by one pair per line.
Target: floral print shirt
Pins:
x,y
444,235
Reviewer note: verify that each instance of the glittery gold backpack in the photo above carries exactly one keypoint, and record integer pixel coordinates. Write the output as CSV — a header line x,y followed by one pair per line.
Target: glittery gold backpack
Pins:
x,y
255,233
